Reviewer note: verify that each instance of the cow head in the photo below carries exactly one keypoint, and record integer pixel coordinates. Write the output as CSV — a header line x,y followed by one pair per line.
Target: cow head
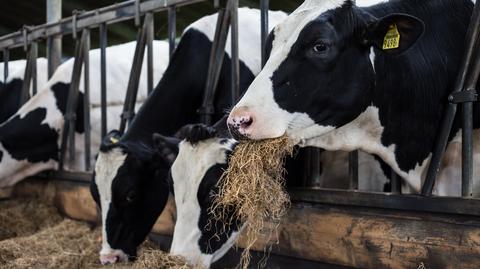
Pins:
x,y
320,74
131,194
202,158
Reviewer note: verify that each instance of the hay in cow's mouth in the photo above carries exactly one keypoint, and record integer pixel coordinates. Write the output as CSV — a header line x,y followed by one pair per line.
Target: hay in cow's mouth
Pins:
x,y
253,188
60,242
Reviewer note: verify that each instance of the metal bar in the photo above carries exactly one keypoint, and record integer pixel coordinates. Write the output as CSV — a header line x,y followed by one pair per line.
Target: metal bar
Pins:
x,y
467,150
449,116
235,87
27,78
54,42
34,56
150,34
353,169
110,14
86,99
6,58
395,182
448,205
103,77
68,134
132,89
264,5
137,13
172,28
217,53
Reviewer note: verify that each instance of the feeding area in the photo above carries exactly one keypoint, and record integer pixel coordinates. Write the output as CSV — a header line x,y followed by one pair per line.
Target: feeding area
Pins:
x,y
240,134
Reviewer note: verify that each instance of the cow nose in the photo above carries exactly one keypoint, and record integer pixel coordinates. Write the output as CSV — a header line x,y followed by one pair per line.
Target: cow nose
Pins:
x,y
109,258
239,122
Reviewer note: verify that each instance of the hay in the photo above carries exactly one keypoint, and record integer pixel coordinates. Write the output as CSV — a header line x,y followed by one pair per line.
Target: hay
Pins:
x,y
252,189
64,243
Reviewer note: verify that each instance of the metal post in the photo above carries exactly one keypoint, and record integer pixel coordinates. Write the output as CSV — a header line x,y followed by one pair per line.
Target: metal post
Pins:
x,y
6,58
449,116
30,76
34,56
172,28
217,54
353,169
103,77
264,4
54,43
235,88
132,89
86,99
395,182
150,33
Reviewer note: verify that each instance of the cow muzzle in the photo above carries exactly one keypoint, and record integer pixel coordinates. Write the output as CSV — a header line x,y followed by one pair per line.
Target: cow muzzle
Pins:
x,y
112,256
240,123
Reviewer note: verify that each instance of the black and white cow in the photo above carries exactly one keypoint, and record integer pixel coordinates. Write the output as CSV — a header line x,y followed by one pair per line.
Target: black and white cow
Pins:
x,y
131,189
29,140
10,90
343,77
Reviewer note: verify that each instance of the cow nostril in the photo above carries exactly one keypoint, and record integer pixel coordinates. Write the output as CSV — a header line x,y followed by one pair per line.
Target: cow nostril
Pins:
x,y
245,123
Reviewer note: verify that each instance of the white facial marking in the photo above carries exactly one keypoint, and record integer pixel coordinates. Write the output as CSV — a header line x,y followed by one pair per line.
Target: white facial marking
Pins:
x,y
105,171
187,176
372,58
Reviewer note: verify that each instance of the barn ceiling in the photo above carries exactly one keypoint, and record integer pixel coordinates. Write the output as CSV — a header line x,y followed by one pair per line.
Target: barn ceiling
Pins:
x,y
16,13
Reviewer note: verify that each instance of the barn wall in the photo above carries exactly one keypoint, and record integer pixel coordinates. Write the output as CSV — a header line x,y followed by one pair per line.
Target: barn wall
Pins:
x,y
350,236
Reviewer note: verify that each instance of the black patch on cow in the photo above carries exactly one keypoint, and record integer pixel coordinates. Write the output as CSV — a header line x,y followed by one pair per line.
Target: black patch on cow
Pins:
x,y
28,138
10,98
214,233
410,90
60,90
1,156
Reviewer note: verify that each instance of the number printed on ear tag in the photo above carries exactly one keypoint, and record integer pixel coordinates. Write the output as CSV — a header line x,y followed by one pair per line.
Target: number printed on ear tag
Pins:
x,y
392,38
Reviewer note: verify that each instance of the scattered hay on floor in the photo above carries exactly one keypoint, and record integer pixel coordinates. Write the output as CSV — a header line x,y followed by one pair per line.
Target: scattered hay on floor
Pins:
x,y
23,217
252,188
63,243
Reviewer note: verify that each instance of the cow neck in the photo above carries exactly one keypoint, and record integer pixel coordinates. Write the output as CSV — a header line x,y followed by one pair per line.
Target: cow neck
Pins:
x,y
412,103
178,95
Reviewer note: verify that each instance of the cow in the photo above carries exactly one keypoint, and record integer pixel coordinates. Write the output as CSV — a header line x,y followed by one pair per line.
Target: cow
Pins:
x,y
10,90
30,139
343,77
129,187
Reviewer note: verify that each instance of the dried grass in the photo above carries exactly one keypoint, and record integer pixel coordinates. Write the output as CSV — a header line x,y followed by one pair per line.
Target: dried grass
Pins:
x,y
253,189
62,243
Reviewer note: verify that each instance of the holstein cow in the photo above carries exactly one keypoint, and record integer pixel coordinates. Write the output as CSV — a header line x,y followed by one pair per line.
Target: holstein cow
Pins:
x,y
131,189
342,77
29,140
11,89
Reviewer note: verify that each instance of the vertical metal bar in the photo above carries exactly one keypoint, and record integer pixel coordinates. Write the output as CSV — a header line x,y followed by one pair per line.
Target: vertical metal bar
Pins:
x,y
6,58
353,169
54,44
137,13
449,116
264,5
217,54
172,28
132,89
150,33
34,56
86,99
395,182
68,134
103,77
467,150
235,86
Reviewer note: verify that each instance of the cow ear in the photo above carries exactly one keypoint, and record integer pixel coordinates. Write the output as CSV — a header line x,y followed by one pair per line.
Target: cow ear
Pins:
x,y
166,147
394,33
111,139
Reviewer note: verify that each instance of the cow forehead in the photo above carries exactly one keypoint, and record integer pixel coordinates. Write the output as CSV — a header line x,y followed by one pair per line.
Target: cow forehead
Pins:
x,y
287,32
106,168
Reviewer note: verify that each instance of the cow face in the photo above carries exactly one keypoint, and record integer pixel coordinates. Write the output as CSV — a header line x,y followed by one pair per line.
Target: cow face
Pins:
x,y
195,173
320,74
131,195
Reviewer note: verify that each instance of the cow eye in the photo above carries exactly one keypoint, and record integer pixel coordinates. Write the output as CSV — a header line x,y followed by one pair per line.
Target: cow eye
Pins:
x,y
320,47
131,196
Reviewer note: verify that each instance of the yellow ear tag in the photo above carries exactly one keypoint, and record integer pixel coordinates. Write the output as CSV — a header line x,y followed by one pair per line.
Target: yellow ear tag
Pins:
x,y
113,140
392,38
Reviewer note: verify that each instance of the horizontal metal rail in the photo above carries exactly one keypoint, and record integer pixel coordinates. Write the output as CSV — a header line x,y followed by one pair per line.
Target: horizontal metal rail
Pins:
x,y
448,205
91,19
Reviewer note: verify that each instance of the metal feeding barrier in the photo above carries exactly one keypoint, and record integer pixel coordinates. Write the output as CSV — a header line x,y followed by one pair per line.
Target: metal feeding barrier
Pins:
x,y
464,94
